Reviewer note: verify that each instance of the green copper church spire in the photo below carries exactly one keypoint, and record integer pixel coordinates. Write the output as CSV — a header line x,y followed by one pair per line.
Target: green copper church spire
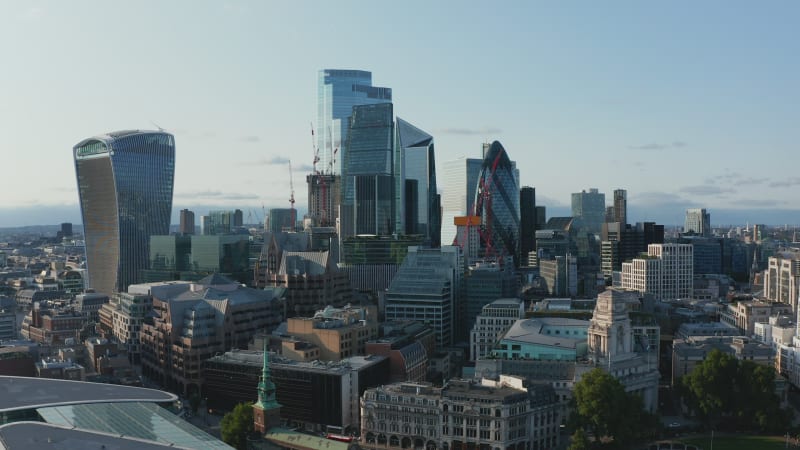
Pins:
x,y
266,388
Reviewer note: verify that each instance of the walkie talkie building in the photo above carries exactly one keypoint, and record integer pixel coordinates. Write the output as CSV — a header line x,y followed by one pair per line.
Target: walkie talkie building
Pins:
x,y
125,182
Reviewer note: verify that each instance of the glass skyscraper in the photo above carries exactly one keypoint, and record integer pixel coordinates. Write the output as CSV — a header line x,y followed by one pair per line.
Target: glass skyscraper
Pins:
x,y
125,182
368,174
417,199
590,207
337,92
497,202
460,178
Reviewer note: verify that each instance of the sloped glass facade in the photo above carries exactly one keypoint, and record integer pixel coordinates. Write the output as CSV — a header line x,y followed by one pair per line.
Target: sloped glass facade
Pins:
x,y
497,202
416,196
125,182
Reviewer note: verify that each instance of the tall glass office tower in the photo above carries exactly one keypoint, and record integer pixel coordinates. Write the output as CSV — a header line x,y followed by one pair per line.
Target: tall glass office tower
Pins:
x,y
125,182
337,92
460,178
416,197
497,202
368,175
591,208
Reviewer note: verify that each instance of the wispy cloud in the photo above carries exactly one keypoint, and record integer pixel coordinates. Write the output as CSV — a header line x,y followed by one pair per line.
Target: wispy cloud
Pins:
x,y
33,13
707,189
789,182
469,131
216,195
659,146
659,199
278,161
759,203
250,139
749,181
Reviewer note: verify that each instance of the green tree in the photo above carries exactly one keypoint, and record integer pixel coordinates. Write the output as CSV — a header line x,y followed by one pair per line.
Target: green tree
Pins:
x,y
728,393
579,440
608,413
237,425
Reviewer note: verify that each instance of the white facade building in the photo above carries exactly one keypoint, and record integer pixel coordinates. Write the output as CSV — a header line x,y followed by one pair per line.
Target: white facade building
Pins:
x,y
666,272
782,278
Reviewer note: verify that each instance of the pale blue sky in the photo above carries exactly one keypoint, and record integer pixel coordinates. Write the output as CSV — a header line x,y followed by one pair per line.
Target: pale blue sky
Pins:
x,y
683,103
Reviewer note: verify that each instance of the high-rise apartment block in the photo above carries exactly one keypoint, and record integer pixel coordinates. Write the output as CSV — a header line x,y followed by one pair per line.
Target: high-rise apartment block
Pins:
x,y
698,221
666,272
338,91
125,182
186,222
590,207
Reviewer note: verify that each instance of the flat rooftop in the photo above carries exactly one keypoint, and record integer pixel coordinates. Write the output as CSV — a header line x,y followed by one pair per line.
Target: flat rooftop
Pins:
x,y
20,393
255,358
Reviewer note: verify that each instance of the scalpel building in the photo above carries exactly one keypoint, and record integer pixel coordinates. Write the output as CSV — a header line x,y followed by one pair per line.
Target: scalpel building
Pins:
x,y
125,182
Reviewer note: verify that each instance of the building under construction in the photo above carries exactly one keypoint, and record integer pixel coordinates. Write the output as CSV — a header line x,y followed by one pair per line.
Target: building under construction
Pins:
x,y
323,198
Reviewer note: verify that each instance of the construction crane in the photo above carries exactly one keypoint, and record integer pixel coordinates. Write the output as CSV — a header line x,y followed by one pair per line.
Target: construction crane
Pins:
x,y
315,148
319,213
291,198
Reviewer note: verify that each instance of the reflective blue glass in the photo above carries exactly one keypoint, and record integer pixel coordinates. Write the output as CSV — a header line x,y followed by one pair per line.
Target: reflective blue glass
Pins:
x,y
337,92
125,182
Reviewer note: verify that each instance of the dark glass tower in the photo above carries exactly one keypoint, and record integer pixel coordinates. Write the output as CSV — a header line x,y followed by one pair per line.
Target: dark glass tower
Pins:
x,y
368,173
527,213
417,199
338,91
497,202
125,182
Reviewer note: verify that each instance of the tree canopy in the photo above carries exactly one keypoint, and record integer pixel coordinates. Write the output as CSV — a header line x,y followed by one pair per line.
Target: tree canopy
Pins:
x,y
237,425
603,409
728,393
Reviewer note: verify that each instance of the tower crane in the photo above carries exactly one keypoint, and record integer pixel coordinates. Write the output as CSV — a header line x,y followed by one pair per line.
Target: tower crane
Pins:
x,y
293,215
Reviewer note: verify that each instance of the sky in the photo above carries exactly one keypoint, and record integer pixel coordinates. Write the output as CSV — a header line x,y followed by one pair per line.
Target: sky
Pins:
x,y
684,103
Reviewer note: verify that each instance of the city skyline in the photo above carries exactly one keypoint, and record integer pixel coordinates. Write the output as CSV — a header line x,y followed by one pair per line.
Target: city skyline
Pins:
x,y
686,106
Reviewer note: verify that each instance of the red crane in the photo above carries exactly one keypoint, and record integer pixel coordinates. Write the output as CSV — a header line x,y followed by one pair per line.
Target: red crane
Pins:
x,y
483,202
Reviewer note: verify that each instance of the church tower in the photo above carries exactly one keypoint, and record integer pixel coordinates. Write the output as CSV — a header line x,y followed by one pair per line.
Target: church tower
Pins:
x,y
267,411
